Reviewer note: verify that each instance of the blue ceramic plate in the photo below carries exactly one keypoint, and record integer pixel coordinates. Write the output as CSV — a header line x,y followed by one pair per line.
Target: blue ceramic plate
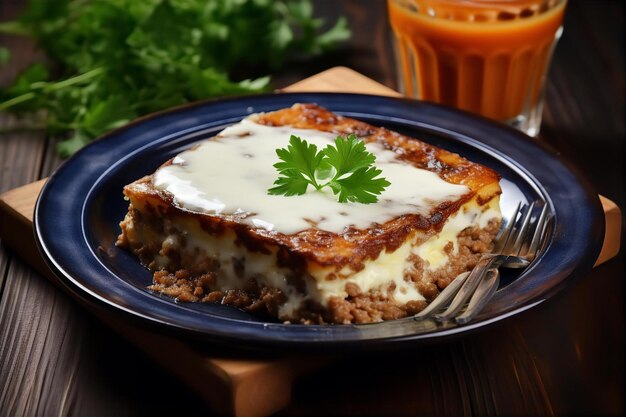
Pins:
x,y
78,211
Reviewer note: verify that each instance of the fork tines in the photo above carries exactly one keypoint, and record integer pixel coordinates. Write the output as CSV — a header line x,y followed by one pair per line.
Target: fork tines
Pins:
x,y
517,245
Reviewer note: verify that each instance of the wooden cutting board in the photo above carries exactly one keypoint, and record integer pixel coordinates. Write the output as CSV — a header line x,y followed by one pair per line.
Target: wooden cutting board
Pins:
x,y
239,387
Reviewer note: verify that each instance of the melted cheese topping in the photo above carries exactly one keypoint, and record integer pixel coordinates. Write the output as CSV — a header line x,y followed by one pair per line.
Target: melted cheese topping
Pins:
x,y
390,267
231,175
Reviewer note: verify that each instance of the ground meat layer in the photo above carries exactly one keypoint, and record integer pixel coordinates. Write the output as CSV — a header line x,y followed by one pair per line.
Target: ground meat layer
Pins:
x,y
358,307
185,287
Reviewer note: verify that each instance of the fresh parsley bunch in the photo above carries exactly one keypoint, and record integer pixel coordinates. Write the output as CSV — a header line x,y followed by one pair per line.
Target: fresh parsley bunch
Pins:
x,y
115,60
346,168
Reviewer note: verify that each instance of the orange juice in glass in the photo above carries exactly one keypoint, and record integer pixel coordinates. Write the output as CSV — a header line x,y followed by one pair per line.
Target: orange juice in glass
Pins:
x,y
489,57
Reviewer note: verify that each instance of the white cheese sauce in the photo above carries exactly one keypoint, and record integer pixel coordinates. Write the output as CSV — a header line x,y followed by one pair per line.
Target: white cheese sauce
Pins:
x,y
231,175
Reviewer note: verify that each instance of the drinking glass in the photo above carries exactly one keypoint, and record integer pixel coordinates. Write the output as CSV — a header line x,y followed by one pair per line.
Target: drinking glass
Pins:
x,y
489,57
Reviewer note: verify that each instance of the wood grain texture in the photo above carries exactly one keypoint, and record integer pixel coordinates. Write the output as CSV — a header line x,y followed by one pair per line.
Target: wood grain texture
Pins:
x,y
52,371
561,358
341,79
54,358
217,379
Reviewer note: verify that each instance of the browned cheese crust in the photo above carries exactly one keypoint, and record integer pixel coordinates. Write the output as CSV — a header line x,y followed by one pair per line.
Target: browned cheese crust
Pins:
x,y
353,246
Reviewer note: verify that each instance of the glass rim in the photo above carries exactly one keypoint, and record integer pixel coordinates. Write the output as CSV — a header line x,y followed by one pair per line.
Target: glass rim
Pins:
x,y
481,11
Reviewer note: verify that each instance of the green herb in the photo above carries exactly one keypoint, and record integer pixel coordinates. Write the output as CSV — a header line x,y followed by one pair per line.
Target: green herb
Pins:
x,y
115,60
5,55
347,168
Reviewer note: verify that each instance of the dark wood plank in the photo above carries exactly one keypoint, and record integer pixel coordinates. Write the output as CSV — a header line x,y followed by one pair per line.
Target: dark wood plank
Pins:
x,y
562,358
34,316
41,332
55,359
584,117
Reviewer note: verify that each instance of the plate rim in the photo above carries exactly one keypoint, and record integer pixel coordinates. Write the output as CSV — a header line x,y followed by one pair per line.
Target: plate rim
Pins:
x,y
79,290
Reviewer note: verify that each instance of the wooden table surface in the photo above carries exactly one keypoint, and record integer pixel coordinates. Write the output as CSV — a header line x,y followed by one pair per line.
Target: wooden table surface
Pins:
x,y
564,357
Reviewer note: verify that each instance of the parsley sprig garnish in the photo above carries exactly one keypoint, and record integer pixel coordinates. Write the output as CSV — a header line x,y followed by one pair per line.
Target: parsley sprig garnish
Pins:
x,y
347,168
111,61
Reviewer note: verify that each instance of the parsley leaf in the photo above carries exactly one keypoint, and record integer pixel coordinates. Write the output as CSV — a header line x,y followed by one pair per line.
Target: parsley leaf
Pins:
x,y
347,166
299,162
348,155
5,55
361,186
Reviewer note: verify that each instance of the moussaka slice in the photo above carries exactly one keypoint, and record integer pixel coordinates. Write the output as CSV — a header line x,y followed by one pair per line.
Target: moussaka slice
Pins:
x,y
206,225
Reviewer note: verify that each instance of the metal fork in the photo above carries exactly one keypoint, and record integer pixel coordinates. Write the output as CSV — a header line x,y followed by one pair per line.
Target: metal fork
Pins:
x,y
516,247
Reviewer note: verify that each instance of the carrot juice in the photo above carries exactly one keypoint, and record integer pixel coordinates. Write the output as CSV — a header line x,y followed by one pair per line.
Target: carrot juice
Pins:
x,y
488,57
